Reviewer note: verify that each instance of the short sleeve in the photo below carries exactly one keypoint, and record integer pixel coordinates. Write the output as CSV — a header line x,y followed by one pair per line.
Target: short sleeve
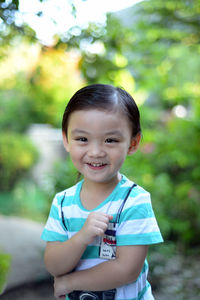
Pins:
x,y
137,222
54,230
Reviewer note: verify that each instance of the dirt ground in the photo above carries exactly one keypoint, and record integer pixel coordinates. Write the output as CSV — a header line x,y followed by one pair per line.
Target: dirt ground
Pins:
x,y
32,291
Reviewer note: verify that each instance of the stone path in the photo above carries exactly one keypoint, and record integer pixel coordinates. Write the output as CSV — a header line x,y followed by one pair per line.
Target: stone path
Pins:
x,y
21,239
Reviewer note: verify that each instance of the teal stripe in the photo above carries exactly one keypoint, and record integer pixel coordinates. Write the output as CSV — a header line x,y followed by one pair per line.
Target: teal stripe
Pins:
x,y
139,239
74,224
72,198
69,200
138,191
91,252
136,212
52,236
144,268
54,213
140,295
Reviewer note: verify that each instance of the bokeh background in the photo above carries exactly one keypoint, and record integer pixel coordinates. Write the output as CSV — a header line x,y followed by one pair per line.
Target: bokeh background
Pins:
x,y
152,49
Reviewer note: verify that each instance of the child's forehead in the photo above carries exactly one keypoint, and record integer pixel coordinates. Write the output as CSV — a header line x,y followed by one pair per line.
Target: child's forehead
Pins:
x,y
101,118
98,113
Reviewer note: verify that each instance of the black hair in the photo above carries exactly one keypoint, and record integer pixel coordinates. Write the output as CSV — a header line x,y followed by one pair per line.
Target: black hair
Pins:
x,y
103,97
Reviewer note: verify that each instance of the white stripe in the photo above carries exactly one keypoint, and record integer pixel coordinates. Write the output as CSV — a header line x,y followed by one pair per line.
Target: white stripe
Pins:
x,y
148,295
146,225
55,202
113,206
139,199
88,263
131,291
74,211
127,183
95,242
54,225
69,192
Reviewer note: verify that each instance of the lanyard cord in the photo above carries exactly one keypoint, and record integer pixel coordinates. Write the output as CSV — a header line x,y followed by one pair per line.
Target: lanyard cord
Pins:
x,y
62,214
123,203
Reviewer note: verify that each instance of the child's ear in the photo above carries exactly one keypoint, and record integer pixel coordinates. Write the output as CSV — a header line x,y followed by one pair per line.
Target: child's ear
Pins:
x,y
65,141
134,144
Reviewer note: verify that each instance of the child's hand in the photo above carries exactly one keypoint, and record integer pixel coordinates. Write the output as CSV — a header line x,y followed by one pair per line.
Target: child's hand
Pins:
x,y
61,287
95,225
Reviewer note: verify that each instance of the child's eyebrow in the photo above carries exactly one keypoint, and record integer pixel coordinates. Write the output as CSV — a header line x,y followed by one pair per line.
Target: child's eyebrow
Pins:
x,y
79,131
114,132
83,132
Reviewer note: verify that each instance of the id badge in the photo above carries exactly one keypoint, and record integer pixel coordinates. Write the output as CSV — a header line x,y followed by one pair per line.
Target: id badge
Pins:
x,y
107,248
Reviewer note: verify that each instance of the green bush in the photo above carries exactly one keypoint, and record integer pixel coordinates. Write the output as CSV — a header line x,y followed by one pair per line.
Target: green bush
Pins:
x,y
64,175
14,102
4,268
16,202
17,156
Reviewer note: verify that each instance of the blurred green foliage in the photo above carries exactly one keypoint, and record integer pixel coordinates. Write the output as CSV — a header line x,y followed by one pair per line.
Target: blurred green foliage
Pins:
x,y
34,93
14,103
4,268
26,200
17,155
64,175
169,169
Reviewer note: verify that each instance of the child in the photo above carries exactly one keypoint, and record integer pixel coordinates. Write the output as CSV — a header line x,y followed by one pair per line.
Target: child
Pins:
x,y
98,231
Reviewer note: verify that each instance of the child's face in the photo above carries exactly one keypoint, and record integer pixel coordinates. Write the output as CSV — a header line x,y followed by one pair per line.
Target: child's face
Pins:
x,y
98,142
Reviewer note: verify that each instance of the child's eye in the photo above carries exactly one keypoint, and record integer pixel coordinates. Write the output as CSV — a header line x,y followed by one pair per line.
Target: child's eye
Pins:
x,y
110,141
81,139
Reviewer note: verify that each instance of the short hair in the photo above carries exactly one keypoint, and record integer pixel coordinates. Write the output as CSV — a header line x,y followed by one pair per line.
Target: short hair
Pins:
x,y
106,98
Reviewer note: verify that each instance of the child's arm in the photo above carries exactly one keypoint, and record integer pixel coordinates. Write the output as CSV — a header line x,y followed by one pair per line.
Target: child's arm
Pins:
x,y
107,275
62,257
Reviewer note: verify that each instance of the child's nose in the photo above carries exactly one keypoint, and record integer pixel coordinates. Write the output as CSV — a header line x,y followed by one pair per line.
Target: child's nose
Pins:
x,y
96,150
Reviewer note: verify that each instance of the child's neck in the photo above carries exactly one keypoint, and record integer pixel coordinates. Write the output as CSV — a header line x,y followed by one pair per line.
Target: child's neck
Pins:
x,y
93,194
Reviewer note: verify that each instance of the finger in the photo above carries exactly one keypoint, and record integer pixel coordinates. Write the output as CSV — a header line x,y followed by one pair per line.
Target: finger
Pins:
x,y
107,217
98,214
102,225
97,220
99,231
103,218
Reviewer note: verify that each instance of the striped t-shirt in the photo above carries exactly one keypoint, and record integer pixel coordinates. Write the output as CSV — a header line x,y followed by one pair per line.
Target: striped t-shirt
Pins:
x,y
136,226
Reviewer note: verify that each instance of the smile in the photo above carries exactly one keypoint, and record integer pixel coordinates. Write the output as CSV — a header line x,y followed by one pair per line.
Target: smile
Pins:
x,y
96,165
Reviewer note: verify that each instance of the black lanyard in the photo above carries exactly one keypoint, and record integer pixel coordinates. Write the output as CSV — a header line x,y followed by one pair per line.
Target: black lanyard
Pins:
x,y
123,203
62,214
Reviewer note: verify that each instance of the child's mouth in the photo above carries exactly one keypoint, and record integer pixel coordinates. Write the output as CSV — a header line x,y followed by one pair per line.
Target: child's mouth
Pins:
x,y
96,166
